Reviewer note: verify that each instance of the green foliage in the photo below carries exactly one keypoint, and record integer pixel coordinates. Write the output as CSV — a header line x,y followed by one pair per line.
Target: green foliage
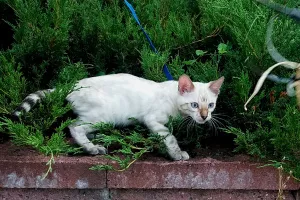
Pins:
x,y
203,71
152,64
169,24
41,37
279,138
242,87
130,145
26,135
200,52
187,132
46,117
176,67
243,21
12,84
70,74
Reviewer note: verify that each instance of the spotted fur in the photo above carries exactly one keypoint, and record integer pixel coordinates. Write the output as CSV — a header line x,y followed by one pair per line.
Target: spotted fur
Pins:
x,y
30,101
117,98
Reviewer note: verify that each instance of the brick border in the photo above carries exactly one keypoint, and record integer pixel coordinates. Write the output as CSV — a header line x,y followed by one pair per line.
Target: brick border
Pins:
x,y
154,173
68,173
204,173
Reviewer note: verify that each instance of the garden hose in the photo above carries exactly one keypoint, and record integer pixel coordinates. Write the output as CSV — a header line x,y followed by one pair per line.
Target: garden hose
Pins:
x,y
287,64
291,82
294,13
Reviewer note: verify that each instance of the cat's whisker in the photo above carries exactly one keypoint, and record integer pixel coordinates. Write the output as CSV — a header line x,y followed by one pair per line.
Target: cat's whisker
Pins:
x,y
218,121
219,118
220,114
217,125
193,125
196,125
190,125
212,124
215,120
183,122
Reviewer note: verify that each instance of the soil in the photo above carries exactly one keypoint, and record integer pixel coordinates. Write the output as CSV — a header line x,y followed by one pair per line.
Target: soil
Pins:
x,y
10,149
217,146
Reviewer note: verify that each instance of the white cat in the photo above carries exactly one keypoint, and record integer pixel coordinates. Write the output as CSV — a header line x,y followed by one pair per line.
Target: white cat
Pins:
x,y
116,98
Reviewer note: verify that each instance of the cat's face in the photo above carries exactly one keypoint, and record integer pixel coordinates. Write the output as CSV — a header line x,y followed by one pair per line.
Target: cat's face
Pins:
x,y
198,100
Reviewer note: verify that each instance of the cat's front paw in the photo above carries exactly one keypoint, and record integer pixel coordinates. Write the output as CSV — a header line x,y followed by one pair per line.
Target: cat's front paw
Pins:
x,y
97,149
180,155
184,155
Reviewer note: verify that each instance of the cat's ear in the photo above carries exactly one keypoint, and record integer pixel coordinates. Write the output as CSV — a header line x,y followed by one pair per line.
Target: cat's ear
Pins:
x,y
185,84
215,86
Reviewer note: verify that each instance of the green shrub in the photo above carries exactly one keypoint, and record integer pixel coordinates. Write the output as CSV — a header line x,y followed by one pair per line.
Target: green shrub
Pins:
x,y
41,38
12,84
275,139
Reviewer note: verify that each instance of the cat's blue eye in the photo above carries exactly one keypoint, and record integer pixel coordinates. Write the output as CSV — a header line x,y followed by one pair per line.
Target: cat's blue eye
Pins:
x,y
211,105
194,105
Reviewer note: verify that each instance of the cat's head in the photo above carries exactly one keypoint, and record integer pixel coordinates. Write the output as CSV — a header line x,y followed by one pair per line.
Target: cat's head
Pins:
x,y
198,100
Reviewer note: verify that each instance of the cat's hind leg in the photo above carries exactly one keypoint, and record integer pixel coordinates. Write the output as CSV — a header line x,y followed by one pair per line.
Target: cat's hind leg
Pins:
x,y
79,133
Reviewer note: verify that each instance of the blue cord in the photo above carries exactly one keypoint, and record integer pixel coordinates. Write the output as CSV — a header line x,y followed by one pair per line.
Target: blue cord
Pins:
x,y
165,68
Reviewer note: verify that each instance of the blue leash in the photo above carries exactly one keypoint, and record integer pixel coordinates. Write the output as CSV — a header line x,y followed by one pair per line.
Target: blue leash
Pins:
x,y
165,68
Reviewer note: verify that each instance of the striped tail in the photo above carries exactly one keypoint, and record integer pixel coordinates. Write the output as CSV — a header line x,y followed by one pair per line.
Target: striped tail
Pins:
x,y
30,101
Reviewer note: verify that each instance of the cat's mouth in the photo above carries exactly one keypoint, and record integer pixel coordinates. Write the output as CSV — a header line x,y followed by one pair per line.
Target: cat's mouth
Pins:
x,y
201,121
